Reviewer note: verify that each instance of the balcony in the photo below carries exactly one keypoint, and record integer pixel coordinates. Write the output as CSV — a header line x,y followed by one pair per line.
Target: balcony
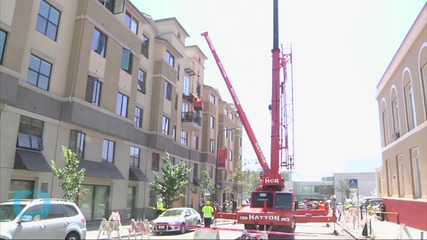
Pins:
x,y
191,121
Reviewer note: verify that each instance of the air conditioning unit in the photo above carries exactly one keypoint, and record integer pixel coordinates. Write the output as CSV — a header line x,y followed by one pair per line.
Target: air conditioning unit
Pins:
x,y
395,136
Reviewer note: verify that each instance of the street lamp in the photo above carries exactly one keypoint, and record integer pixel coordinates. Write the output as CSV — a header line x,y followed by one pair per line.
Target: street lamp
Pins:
x,y
217,159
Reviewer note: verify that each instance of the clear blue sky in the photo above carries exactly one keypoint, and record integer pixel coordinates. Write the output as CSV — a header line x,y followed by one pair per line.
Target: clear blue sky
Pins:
x,y
341,49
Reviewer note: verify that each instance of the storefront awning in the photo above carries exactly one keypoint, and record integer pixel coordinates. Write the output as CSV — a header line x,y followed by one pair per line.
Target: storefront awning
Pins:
x,y
197,182
135,174
99,169
31,161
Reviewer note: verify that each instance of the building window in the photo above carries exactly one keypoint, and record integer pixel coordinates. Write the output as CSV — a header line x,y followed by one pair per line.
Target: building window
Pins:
x,y
231,116
131,23
178,70
231,135
127,60
122,104
108,151
165,125
184,138
155,162
231,155
396,120
196,142
225,111
168,90
416,173
174,133
212,145
39,72
114,6
141,81
401,177
410,107
3,36
93,90
195,170
99,42
138,117
145,46
424,83
389,178
385,127
77,143
211,171
170,59
30,134
212,99
48,20
134,157
176,102
212,122
187,85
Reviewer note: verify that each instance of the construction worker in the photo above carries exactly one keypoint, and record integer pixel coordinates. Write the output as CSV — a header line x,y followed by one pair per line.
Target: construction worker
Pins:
x,y
208,212
160,207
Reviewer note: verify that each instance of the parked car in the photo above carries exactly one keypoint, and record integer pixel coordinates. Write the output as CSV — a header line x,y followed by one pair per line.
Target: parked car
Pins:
x,y
176,220
45,218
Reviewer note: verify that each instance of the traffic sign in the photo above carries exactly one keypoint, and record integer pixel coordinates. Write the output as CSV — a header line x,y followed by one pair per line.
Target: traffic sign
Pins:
x,y
352,183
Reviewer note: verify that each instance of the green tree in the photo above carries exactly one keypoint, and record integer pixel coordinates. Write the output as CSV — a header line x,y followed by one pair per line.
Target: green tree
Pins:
x,y
207,187
236,176
174,179
70,177
343,188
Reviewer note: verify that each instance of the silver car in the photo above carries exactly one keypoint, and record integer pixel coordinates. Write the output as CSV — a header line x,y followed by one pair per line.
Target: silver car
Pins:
x,y
177,220
45,218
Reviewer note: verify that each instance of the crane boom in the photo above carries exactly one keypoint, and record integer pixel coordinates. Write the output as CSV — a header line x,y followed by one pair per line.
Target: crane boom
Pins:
x,y
240,111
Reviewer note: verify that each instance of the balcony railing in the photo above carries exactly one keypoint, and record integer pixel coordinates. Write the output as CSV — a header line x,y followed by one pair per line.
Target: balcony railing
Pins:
x,y
191,117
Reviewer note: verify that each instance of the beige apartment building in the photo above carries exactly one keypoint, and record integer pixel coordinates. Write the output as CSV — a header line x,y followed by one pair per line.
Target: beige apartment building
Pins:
x,y
119,88
402,103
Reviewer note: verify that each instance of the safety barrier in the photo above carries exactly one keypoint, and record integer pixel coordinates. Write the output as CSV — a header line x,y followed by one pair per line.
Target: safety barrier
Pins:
x,y
109,226
139,227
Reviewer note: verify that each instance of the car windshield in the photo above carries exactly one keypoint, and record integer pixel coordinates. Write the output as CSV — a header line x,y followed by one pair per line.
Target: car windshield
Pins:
x,y
8,212
172,212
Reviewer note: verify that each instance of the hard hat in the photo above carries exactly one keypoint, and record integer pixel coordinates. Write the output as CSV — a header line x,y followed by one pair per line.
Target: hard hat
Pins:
x,y
208,203
160,199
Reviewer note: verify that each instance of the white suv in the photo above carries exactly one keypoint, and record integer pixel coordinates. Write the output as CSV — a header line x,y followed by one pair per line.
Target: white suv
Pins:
x,y
44,218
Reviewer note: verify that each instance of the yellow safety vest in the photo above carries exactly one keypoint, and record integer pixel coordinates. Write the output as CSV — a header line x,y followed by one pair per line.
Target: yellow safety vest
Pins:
x,y
159,205
207,211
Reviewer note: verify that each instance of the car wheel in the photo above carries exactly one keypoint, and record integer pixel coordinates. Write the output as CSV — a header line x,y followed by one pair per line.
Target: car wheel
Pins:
x,y
182,229
72,236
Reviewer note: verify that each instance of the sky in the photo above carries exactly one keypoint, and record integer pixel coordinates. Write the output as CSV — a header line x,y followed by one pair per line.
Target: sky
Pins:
x,y
340,50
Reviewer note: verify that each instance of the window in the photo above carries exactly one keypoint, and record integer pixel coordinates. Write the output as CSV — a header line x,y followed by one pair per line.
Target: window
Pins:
x,y
184,138
165,125
127,60
196,142
155,162
225,111
176,102
187,85
385,127
39,72
195,170
114,6
231,116
410,107
212,122
3,36
141,81
231,135
145,46
30,134
396,121
122,105
108,151
212,99
138,117
212,145
48,20
211,171
284,201
416,173
389,178
173,160
99,42
55,211
131,23
231,155
77,143
178,70
168,90
174,133
93,91
170,59
134,157
400,175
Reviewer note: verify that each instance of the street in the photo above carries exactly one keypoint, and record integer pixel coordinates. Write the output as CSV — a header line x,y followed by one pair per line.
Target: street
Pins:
x,y
233,231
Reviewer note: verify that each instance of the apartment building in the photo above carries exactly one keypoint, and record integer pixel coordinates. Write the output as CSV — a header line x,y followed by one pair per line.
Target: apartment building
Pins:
x,y
105,79
402,104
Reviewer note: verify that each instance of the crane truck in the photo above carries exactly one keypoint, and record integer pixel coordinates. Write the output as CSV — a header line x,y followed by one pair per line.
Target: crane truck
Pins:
x,y
272,208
